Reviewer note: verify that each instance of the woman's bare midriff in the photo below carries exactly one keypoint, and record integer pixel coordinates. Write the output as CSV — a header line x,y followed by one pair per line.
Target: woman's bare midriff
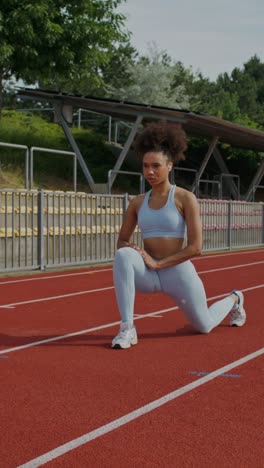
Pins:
x,y
160,248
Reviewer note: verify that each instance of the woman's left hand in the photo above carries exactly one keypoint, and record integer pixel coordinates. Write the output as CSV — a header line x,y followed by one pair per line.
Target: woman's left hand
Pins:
x,y
149,261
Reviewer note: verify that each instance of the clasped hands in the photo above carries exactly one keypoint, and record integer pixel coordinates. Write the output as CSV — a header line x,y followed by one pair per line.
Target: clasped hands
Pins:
x,y
150,262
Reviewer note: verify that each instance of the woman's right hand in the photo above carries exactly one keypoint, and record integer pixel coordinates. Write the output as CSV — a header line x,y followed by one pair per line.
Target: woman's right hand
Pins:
x,y
135,247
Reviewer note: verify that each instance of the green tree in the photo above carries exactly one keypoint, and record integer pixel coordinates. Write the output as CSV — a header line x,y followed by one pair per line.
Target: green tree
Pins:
x,y
112,72
151,80
49,40
117,71
223,99
248,85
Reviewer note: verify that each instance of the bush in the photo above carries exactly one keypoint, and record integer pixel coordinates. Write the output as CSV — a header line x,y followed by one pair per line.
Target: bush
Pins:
x,y
32,131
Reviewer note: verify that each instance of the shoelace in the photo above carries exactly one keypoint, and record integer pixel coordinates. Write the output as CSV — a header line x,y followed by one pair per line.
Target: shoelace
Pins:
x,y
236,312
123,333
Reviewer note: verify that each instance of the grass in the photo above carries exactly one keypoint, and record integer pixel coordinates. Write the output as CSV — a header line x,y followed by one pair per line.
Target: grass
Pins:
x,y
14,179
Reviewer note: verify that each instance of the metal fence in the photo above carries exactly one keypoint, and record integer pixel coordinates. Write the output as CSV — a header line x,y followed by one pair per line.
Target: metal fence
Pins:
x,y
44,229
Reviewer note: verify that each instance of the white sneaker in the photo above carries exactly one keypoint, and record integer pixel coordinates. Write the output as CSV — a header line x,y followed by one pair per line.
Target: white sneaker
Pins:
x,y
238,314
126,337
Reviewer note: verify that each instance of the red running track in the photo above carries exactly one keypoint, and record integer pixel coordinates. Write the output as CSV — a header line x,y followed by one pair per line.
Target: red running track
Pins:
x,y
68,400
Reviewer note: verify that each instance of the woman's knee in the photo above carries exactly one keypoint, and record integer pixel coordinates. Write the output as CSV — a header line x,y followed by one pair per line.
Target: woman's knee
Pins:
x,y
204,328
126,256
125,253
201,324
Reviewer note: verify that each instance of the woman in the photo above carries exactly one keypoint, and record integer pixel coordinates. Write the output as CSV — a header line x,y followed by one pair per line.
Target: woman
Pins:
x,y
165,215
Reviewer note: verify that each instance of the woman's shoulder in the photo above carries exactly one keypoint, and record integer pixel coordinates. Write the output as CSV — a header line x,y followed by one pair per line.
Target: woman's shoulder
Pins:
x,y
184,198
184,195
136,201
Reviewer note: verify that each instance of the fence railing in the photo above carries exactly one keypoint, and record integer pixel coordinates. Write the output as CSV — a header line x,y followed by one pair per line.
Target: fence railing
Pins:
x,y
29,161
44,229
26,151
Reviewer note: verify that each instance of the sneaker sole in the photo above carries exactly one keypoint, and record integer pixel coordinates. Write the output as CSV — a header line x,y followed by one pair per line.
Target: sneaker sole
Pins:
x,y
118,346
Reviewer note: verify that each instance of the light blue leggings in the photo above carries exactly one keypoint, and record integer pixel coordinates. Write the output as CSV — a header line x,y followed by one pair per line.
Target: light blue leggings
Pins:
x,y
180,282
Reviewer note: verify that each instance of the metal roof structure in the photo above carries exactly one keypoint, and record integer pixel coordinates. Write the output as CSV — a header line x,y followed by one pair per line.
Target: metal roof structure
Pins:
x,y
216,130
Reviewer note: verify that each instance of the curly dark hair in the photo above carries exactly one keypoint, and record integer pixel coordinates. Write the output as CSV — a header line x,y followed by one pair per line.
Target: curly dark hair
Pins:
x,y
164,136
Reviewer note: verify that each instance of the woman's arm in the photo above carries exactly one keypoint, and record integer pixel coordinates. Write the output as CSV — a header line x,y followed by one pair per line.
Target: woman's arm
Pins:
x,y
194,236
128,226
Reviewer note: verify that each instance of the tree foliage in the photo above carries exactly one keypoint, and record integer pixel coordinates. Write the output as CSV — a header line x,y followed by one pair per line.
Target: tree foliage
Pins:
x,y
54,40
238,97
82,47
156,79
248,85
151,80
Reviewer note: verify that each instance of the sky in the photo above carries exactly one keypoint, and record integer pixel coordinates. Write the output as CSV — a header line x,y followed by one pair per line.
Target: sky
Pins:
x,y
211,36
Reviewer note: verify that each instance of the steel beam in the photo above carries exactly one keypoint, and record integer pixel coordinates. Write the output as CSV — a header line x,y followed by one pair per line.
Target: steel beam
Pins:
x,y
63,123
224,169
125,150
256,180
212,146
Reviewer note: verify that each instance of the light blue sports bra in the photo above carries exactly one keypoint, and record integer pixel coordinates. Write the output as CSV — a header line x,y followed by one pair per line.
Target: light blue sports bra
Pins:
x,y
165,222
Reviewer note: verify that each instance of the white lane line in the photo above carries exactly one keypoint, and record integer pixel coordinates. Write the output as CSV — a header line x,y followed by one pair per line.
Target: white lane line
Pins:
x,y
88,291
202,257
80,332
127,418
230,254
109,325
233,267
51,298
38,278
58,338
255,287
149,315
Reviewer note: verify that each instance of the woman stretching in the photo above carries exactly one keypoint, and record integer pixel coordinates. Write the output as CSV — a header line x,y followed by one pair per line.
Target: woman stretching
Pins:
x,y
166,215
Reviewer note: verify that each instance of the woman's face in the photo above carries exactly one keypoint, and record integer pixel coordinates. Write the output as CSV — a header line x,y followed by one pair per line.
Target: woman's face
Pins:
x,y
156,167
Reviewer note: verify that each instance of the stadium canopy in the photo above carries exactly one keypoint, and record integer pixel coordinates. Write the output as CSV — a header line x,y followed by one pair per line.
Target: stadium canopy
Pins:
x,y
195,124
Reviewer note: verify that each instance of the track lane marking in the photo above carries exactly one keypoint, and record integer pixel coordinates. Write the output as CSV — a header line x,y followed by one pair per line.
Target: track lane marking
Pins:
x,y
127,418
202,257
149,315
109,325
51,298
89,291
55,276
233,267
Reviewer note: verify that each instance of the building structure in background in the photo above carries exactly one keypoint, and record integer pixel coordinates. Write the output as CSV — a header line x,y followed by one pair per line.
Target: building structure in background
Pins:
x,y
216,131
